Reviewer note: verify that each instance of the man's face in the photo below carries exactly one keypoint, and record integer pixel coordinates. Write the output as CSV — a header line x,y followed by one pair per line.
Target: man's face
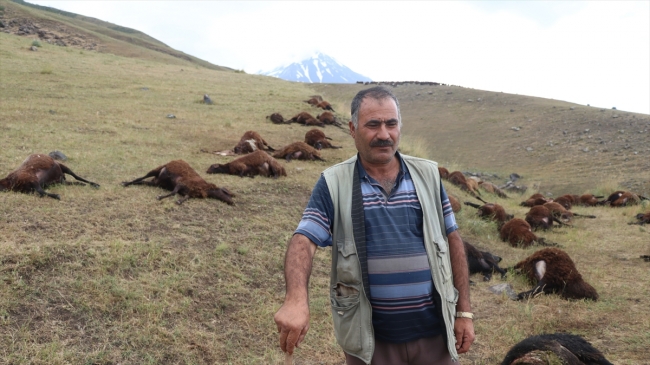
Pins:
x,y
378,133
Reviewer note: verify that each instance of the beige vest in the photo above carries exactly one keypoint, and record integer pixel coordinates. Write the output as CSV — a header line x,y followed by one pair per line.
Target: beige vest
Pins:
x,y
351,310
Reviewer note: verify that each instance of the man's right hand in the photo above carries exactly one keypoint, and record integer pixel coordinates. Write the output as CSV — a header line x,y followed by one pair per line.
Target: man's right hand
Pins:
x,y
292,320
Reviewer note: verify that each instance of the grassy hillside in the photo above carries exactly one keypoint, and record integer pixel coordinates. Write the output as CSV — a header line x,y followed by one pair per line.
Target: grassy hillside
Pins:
x,y
114,276
69,29
559,147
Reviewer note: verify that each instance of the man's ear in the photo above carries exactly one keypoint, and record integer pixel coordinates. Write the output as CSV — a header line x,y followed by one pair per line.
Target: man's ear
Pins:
x,y
352,130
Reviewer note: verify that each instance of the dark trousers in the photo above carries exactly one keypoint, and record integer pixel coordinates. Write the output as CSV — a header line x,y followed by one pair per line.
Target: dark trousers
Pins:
x,y
425,351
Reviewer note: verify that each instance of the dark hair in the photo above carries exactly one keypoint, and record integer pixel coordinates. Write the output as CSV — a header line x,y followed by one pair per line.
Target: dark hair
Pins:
x,y
377,93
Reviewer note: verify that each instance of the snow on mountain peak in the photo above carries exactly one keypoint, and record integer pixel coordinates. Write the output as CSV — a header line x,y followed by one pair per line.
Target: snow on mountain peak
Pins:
x,y
319,68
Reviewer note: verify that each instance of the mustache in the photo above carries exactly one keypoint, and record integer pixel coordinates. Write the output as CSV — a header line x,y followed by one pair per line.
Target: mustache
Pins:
x,y
381,143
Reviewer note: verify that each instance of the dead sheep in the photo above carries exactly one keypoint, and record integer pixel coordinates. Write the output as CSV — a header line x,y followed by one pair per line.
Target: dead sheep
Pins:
x,y
561,213
328,118
492,189
535,199
444,173
325,106
455,203
567,201
622,199
251,141
569,349
589,200
492,211
306,119
457,178
298,151
277,118
256,163
482,262
518,233
314,100
179,177
642,218
540,217
38,172
553,271
317,139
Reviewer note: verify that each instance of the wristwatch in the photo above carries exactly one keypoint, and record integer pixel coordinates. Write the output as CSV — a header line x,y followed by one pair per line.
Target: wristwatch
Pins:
x,y
465,315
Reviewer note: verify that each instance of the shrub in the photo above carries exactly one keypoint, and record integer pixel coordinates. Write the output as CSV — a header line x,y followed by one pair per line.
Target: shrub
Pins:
x,y
36,43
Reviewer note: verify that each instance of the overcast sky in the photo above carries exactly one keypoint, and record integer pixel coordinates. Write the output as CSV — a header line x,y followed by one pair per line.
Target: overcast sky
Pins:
x,y
586,52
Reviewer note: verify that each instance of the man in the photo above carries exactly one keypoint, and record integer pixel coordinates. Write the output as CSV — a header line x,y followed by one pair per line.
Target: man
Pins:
x,y
397,283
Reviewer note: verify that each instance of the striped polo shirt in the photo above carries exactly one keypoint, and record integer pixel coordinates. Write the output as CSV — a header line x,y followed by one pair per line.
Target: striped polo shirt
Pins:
x,y
401,287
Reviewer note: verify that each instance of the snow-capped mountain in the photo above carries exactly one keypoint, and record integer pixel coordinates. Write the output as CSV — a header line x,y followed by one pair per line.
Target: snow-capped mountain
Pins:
x,y
319,68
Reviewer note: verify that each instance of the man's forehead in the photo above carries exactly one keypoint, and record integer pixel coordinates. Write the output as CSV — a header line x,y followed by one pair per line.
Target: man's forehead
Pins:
x,y
370,105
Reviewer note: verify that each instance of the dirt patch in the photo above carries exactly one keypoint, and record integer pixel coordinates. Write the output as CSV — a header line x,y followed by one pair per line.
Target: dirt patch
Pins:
x,y
48,31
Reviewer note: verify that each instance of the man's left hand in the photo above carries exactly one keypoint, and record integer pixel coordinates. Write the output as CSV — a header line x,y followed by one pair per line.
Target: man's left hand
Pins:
x,y
464,331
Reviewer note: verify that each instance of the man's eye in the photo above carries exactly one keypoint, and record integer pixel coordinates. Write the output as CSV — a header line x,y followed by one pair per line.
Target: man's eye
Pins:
x,y
391,124
373,124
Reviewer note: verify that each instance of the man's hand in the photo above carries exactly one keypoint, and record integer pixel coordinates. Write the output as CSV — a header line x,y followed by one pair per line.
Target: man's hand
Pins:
x,y
293,317
293,323
464,332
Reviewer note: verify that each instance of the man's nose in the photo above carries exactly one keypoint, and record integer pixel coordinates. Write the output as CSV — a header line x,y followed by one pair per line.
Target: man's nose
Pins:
x,y
382,133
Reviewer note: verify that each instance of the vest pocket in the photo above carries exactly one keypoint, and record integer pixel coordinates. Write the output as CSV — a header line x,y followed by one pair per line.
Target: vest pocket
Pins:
x,y
443,257
348,269
347,317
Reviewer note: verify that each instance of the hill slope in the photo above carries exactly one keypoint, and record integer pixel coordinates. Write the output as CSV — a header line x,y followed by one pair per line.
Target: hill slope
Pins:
x,y
68,29
557,146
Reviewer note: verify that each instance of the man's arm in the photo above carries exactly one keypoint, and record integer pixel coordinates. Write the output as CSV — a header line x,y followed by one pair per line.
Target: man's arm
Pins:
x,y
464,327
292,318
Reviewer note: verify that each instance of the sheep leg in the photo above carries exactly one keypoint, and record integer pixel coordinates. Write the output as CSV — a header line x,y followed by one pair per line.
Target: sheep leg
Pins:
x,y
537,290
177,188
472,205
584,216
182,200
66,170
139,181
37,187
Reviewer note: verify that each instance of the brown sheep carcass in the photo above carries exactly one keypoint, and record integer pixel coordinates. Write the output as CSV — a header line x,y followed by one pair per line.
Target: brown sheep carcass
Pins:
x,y
314,100
251,141
622,199
277,118
325,106
328,118
36,173
444,173
562,213
535,199
517,233
567,201
317,139
179,177
455,203
540,217
457,178
492,211
589,200
298,151
306,119
256,163
553,271
642,218
482,262
492,189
